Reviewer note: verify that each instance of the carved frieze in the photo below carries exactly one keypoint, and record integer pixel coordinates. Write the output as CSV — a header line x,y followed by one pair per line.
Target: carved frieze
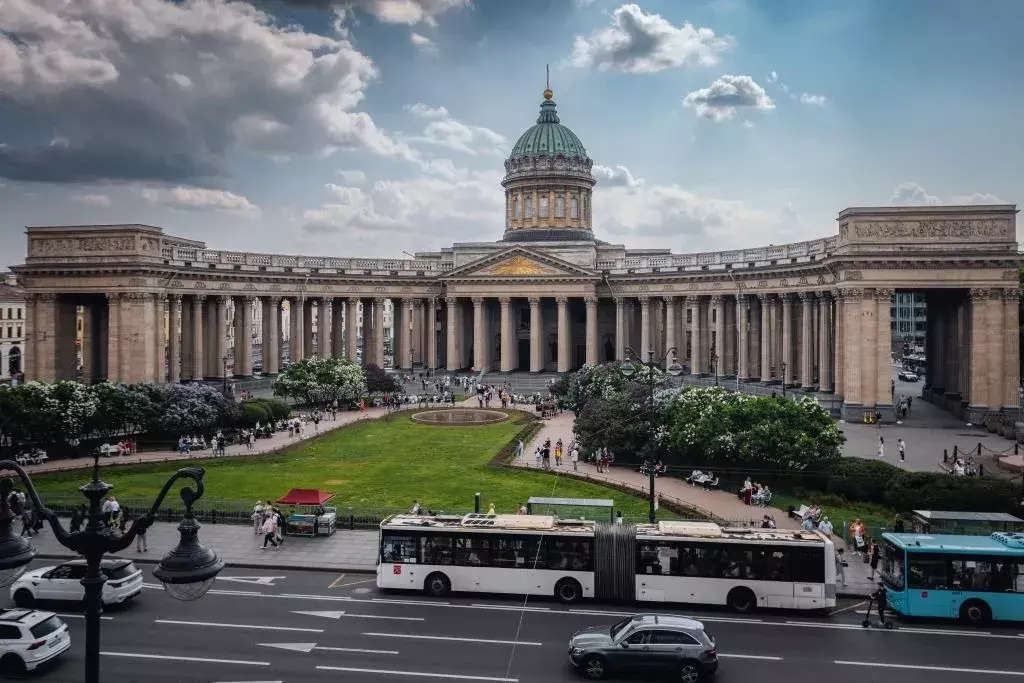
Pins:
x,y
783,282
198,285
250,287
1011,275
275,288
852,275
137,282
763,284
176,284
1001,228
802,281
224,285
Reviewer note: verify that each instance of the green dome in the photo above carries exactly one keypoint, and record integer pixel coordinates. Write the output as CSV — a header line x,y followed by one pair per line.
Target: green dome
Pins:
x,y
548,138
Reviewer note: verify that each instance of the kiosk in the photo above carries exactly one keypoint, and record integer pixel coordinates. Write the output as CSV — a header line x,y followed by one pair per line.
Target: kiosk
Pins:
x,y
309,515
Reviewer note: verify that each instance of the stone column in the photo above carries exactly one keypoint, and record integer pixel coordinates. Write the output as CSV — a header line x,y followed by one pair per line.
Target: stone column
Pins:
x,y
308,349
324,328
245,368
742,334
65,334
187,357
766,337
620,328
378,331
563,333
198,338
238,322
337,306
174,334
430,329
883,367
839,335
505,313
824,342
1010,331
452,361
980,351
670,329
352,329
271,335
592,341
296,314
806,340
645,329
158,357
853,393
536,362
479,361
398,350
409,329
754,334
786,357
696,347
718,303
221,338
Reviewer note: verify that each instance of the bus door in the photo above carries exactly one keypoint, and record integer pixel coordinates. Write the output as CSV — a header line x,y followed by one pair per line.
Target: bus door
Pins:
x,y
929,587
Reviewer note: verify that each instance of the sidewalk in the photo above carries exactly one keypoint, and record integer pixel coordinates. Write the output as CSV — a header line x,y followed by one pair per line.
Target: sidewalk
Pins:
x,y
279,441
238,546
721,506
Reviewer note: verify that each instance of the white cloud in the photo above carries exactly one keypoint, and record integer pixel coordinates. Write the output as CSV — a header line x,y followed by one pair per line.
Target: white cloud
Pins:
x,y
199,198
429,211
352,177
912,194
721,99
423,43
816,100
98,200
748,124
167,91
616,177
638,42
410,12
445,131
773,77
672,216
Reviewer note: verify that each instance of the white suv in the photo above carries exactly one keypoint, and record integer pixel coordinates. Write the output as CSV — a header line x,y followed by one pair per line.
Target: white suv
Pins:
x,y
30,639
64,583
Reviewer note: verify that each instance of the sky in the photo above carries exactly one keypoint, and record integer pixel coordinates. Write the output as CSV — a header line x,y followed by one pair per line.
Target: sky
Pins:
x,y
377,127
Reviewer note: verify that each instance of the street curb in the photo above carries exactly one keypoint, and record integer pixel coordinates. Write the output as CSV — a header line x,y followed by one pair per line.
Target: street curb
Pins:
x,y
239,565
853,596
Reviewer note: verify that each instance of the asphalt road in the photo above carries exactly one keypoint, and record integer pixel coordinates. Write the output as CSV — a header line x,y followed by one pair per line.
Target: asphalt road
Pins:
x,y
291,627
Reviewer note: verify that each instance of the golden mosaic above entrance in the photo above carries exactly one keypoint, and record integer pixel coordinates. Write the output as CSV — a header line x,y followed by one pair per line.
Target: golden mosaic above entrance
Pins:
x,y
518,266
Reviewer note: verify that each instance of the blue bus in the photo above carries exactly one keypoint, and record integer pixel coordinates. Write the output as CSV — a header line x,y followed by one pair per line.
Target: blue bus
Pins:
x,y
976,579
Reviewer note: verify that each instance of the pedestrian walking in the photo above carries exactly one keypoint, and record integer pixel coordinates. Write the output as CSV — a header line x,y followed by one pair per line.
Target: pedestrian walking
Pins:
x,y
875,554
575,459
881,447
841,566
77,518
140,541
902,448
269,532
257,517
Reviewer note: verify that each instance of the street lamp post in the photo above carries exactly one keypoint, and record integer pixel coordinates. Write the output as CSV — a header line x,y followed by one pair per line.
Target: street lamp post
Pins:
x,y
783,379
714,366
628,369
224,360
187,572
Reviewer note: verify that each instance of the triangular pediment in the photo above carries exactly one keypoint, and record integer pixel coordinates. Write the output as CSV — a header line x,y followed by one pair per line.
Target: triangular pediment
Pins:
x,y
518,262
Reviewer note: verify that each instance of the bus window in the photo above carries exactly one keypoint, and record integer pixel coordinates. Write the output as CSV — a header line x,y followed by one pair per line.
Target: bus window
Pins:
x,y
511,551
807,565
436,549
400,548
537,555
892,566
659,558
928,572
570,554
985,574
473,551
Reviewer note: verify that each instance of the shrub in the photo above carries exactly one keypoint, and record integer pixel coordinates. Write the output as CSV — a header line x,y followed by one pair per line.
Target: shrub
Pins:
x,y
861,479
934,491
253,412
275,407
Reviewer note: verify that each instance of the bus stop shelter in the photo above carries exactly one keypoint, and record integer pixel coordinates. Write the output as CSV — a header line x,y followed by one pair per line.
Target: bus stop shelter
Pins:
x,y
597,509
980,523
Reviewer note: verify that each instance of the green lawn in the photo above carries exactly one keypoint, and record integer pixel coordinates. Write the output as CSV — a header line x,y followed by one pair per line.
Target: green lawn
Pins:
x,y
876,518
376,464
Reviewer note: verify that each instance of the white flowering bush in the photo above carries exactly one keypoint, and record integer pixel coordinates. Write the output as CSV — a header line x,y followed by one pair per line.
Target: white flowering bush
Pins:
x,y
321,380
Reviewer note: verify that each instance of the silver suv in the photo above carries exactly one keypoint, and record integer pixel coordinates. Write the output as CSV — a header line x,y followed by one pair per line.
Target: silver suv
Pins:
x,y
649,644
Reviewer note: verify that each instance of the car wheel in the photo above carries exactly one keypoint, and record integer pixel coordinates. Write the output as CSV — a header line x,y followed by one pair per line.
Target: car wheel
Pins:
x,y
12,665
594,668
437,585
975,613
568,591
689,672
741,600
23,598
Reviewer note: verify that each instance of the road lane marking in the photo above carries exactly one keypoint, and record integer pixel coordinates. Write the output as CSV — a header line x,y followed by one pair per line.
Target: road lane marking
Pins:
x,y
510,607
883,665
79,616
433,603
215,591
256,580
334,584
419,674
142,655
416,636
765,658
339,615
847,609
262,627
906,629
306,648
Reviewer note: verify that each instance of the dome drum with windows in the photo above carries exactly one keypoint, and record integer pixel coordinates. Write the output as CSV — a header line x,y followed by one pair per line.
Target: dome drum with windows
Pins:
x,y
548,183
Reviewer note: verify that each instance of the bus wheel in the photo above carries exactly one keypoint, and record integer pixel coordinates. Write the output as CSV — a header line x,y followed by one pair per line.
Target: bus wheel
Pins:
x,y
568,591
975,613
741,600
437,585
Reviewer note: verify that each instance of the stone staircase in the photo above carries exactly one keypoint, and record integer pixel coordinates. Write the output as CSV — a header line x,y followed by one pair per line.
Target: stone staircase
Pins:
x,y
523,382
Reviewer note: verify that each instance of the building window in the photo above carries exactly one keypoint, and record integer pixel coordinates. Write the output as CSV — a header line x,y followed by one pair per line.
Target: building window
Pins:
x,y
586,209
517,208
574,208
19,333
529,207
559,206
19,314
543,202
9,314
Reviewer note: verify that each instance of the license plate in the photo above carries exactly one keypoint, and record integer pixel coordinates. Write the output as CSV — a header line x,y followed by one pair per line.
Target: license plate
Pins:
x,y
55,642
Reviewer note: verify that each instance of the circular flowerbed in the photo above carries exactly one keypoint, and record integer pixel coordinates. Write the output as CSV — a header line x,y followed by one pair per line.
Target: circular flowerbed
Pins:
x,y
463,417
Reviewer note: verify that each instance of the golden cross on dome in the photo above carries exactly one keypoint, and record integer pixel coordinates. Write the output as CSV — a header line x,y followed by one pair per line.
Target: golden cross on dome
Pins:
x,y
547,82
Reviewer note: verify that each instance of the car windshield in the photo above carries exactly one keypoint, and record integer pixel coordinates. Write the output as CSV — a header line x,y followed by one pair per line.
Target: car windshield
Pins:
x,y
617,627
119,572
46,627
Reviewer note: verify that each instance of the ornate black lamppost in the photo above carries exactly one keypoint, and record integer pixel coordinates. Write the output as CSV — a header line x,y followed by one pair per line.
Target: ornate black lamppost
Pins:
x,y
714,366
628,369
224,360
187,572
783,380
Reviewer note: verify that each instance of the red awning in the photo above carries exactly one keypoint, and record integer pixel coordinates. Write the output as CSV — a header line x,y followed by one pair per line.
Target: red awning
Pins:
x,y
305,497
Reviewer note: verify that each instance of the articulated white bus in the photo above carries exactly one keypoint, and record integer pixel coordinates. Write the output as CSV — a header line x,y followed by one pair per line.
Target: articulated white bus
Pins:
x,y
674,562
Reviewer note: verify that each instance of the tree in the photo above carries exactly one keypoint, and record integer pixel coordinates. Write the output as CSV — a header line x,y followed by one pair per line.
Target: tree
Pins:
x,y
319,381
603,381
195,408
378,381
